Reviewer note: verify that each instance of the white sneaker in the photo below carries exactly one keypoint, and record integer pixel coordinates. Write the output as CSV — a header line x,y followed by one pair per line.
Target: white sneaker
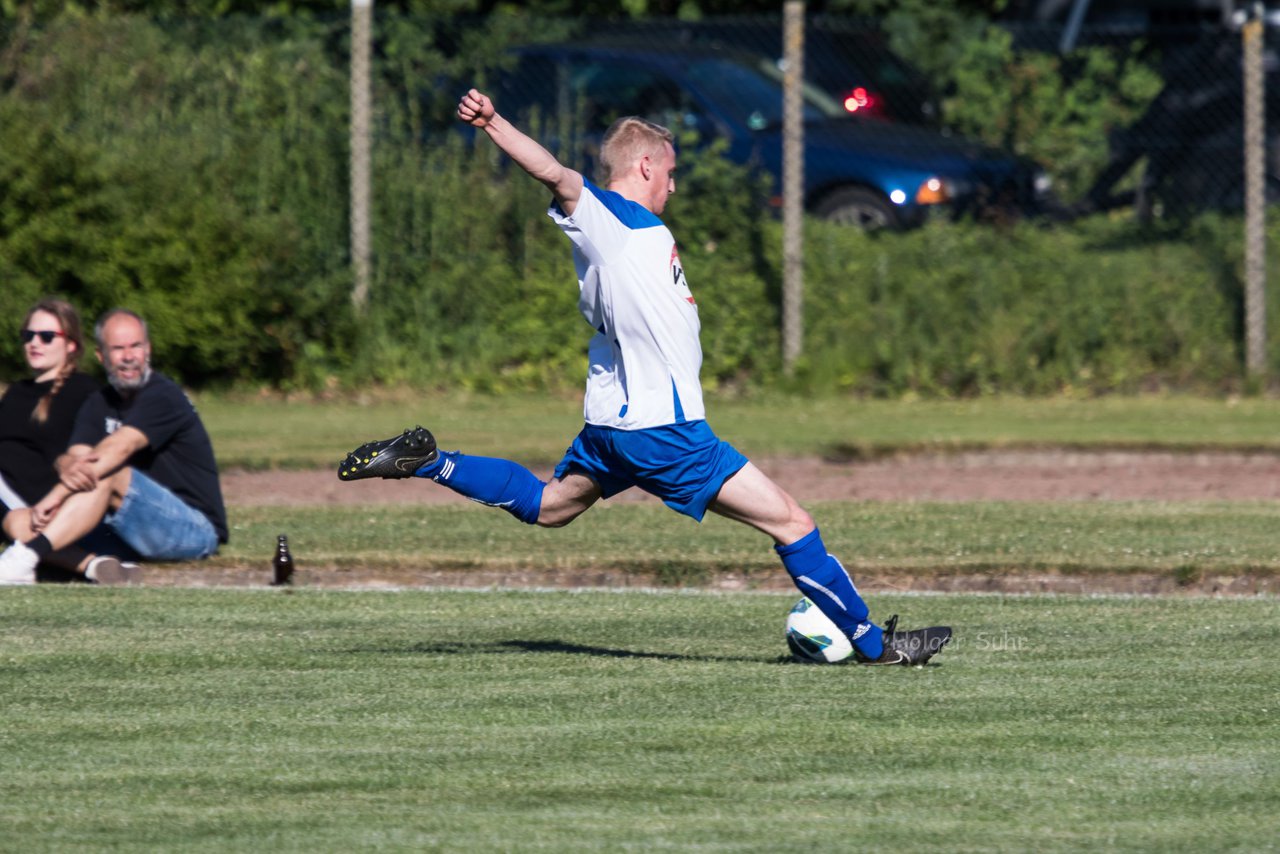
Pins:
x,y
105,569
18,565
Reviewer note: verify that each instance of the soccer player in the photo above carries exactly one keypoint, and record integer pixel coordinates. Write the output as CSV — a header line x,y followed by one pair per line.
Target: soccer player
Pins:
x,y
645,421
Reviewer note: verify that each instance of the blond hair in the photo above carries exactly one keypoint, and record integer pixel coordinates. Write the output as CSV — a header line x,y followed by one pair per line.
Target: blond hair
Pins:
x,y
69,320
627,140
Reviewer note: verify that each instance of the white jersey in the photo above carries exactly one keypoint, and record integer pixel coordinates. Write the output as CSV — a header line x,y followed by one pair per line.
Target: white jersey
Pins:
x,y
645,355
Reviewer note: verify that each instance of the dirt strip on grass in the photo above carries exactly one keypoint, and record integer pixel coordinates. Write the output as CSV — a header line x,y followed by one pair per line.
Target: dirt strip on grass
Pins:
x,y
870,583
1039,475
971,476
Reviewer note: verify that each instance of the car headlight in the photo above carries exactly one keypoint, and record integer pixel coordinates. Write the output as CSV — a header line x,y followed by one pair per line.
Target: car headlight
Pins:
x,y
1042,182
936,190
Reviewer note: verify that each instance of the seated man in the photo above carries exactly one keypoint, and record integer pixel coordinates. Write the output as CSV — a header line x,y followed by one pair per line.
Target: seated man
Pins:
x,y
139,478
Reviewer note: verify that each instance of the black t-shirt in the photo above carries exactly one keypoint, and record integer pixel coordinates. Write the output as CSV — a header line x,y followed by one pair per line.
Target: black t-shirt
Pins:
x,y
178,455
27,449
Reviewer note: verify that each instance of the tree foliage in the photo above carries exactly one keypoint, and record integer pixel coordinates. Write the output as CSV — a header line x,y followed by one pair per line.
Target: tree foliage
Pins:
x,y
196,170
691,9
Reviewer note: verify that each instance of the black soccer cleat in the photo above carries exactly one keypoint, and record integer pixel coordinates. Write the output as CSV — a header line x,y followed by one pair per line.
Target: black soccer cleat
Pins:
x,y
909,648
399,456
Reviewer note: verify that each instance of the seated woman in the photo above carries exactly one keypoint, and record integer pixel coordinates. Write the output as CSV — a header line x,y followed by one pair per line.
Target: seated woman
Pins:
x,y
36,417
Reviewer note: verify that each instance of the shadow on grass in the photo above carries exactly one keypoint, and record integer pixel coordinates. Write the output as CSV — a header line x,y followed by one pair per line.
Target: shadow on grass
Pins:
x,y
555,646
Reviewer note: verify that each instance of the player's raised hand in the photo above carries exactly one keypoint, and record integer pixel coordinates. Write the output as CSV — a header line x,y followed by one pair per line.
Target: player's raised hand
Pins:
x,y
475,109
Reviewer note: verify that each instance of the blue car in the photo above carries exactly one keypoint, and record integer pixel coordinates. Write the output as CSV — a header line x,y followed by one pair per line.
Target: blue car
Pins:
x,y
870,174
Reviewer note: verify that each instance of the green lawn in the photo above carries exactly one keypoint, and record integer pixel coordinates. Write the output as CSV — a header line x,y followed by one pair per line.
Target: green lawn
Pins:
x,y
260,720
1186,540
264,433
1181,539
308,719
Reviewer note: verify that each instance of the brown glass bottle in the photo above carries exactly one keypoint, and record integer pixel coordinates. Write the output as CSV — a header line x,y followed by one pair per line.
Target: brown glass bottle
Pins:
x,y
282,563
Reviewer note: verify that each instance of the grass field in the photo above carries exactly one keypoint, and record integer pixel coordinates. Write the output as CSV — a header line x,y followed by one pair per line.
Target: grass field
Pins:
x,y
180,720
310,719
1183,539
1186,540
266,433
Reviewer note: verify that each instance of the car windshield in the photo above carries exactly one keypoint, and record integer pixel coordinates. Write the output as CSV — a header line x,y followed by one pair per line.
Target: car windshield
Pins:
x,y
752,96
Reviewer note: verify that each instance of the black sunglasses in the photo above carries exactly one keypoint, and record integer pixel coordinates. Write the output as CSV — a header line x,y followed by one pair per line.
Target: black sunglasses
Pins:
x,y
46,335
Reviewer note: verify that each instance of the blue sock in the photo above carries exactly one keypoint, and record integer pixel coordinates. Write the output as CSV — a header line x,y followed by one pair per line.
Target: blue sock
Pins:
x,y
821,577
498,483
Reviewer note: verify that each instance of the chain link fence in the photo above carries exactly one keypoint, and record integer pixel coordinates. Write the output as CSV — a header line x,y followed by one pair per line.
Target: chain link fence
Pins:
x,y
252,118
1148,120
1009,124
1183,151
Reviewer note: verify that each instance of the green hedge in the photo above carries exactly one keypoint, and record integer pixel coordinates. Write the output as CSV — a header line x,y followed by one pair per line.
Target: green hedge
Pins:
x,y
199,175
962,310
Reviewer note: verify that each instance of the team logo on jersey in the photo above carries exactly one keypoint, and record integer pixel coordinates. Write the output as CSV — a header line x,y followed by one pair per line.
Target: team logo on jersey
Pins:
x,y
677,276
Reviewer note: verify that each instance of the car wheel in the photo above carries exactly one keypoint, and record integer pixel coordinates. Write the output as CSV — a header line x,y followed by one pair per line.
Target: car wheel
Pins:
x,y
858,207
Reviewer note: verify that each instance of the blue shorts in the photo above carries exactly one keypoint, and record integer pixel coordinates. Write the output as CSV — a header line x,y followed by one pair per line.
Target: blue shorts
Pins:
x,y
153,524
683,464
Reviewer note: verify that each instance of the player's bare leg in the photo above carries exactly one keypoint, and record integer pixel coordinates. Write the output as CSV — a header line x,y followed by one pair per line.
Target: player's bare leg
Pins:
x,y
566,498
752,498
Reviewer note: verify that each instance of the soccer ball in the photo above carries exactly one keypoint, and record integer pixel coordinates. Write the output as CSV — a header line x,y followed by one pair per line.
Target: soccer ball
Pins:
x,y
813,638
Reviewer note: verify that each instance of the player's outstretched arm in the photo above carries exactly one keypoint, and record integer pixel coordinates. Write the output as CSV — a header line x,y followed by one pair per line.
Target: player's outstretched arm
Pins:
x,y
476,109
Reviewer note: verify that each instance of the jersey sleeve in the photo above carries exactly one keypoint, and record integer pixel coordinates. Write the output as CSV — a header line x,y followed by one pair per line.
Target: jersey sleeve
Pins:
x,y
602,222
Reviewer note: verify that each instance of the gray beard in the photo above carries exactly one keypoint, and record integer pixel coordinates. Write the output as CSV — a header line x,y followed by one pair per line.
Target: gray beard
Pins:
x,y
131,386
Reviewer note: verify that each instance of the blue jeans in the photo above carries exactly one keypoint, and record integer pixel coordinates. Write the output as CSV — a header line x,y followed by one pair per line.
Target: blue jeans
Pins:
x,y
153,524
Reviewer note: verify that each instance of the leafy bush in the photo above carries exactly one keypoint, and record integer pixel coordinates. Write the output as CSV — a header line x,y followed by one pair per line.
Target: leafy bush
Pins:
x,y
198,173
123,152
962,309
1059,111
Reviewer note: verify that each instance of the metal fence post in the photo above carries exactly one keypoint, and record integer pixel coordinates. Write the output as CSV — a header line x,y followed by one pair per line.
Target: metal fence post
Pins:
x,y
1255,200
361,36
793,185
